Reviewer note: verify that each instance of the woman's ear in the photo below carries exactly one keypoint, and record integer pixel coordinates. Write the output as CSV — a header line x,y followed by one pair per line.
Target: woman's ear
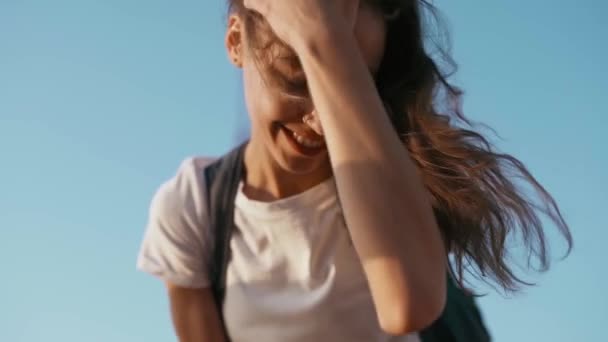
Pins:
x,y
235,40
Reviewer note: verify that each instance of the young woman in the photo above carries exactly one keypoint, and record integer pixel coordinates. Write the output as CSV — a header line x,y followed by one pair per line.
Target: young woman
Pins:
x,y
355,191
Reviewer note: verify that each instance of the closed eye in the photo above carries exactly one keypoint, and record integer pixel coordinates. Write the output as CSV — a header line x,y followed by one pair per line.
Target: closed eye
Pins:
x,y
296,88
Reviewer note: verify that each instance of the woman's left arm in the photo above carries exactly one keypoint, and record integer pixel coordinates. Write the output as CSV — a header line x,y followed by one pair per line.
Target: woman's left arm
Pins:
x,y
385,204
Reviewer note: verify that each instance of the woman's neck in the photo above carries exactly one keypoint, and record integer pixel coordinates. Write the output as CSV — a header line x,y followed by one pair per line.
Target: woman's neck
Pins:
x,y
266,181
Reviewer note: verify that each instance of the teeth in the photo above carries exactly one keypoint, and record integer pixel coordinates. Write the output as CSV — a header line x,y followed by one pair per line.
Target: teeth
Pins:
x,y
307,142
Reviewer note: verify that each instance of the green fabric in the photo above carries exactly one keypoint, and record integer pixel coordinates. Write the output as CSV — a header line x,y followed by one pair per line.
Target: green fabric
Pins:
x,y
461,320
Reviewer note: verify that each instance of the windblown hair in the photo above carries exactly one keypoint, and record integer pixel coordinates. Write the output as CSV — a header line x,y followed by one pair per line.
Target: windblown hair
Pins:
x,y
482,198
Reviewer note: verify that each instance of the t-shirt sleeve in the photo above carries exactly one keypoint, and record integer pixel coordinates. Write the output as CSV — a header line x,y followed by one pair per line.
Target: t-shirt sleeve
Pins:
x,y
177,242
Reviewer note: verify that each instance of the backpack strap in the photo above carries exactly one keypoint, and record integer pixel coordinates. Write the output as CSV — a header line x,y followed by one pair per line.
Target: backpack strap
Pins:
x,y
222,179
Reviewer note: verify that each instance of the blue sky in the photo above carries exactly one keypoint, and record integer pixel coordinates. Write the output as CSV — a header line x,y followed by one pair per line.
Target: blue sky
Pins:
x,y
101,100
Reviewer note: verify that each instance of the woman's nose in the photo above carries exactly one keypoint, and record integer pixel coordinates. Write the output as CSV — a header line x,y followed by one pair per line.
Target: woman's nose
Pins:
x,y
313,121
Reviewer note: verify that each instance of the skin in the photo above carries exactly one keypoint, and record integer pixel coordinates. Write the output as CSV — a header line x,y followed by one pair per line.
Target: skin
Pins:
x,y
194,314
340,44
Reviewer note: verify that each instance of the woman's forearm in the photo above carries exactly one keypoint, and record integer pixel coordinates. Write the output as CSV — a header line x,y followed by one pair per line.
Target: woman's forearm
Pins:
x,y
194,315
385,204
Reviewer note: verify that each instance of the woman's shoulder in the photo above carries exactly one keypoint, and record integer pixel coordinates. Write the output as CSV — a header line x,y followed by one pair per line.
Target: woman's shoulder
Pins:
x,y
193,166
184,192
190,173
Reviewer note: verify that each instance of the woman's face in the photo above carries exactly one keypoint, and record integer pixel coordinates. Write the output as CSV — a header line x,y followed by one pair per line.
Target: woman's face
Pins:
x,y
277,98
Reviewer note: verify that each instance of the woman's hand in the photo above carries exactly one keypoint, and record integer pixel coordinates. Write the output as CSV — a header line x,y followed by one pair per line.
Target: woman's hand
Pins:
x,y
299,22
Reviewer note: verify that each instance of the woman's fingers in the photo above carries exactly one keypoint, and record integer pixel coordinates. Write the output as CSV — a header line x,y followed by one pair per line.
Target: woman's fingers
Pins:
x,y
350,8
298,22
313,121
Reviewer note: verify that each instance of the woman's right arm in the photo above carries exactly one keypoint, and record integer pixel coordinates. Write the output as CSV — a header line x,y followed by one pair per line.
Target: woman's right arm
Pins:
x,y
195,316
176,249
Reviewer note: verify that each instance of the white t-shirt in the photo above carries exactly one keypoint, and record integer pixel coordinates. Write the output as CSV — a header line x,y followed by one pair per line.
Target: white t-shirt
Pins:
x,y
294,275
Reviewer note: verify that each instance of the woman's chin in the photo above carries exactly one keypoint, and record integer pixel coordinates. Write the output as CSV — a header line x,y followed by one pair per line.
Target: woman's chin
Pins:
x,y
303,166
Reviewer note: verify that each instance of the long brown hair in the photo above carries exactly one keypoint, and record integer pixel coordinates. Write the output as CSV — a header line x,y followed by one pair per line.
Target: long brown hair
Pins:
x,y
481,197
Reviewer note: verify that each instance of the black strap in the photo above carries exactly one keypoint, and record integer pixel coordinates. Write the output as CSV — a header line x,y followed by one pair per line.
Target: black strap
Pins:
x,y
222,179
461,320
